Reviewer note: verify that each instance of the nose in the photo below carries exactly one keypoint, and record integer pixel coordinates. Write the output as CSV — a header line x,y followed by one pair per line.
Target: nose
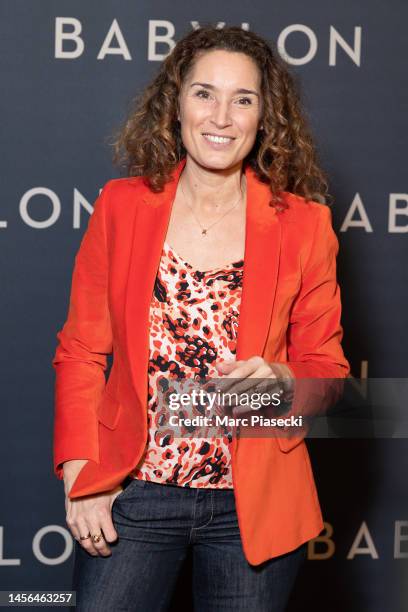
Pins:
x,y
220,116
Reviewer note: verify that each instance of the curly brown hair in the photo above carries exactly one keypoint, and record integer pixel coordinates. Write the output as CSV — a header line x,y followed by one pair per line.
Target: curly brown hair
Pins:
x,y
284,155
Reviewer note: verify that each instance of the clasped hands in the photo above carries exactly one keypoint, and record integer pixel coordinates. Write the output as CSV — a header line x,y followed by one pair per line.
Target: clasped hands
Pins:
x,y
255,375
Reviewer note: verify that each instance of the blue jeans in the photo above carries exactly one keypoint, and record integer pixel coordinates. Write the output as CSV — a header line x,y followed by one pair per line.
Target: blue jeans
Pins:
x,y
157,526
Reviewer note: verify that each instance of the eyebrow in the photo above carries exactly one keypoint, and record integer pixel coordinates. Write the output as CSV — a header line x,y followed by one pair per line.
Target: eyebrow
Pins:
x,y
240,90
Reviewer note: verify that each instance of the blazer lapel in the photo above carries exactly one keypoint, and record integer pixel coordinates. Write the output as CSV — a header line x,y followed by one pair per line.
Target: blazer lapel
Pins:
x,y
261,266
152,215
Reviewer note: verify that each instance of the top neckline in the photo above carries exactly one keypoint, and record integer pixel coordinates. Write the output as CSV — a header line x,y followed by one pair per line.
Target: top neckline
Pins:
x,y
218,269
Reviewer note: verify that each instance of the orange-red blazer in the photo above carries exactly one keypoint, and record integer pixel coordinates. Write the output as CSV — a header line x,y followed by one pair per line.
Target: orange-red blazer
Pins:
x,y
290,312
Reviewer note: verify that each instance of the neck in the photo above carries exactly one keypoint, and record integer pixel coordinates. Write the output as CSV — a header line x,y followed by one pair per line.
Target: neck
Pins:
x,y
210,191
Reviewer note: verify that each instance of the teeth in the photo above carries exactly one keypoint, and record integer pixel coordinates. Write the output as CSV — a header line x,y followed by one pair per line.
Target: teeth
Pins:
x,y
217,138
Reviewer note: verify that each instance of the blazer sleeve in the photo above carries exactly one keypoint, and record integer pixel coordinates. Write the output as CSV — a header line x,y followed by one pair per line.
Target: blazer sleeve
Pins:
x,y
84,342
314,332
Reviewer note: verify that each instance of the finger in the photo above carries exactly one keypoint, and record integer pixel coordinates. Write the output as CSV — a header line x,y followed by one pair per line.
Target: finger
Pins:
x,y
84,530
228,364
225,373
262,390
95,521
228,380
271,385
248,367
108,527
250,381
263,385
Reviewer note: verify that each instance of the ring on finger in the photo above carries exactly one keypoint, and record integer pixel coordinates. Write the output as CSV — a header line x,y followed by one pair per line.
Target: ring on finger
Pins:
x,y
96,537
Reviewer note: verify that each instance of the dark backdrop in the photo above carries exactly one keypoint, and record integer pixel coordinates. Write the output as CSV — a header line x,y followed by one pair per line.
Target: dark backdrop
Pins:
x,y
60,103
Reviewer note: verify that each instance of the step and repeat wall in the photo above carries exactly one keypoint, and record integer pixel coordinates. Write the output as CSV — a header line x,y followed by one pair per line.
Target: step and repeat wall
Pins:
x,y
69,72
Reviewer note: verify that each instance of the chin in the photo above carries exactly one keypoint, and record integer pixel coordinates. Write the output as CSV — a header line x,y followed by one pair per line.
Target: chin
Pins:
x,y
217,164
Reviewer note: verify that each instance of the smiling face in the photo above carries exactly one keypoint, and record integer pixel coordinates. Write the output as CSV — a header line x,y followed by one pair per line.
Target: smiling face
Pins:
x,y
220,109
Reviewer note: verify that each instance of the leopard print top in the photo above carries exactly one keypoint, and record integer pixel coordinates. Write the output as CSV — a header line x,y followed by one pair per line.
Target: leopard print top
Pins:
x,y
193,323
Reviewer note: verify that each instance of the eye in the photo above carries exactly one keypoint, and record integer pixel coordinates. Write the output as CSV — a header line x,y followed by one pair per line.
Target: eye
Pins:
x,y
247,99
202,91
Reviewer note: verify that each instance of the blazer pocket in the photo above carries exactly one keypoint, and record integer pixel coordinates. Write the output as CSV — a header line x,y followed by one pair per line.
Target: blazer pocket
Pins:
x,y
109,410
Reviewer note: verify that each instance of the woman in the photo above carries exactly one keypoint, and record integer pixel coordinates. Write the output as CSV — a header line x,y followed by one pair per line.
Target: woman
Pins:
x,y
214,258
